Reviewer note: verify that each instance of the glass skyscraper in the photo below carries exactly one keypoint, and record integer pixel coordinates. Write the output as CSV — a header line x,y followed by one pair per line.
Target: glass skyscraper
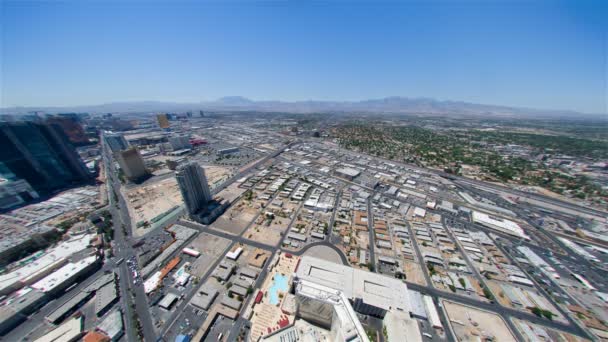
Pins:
x,y
193,186
41,154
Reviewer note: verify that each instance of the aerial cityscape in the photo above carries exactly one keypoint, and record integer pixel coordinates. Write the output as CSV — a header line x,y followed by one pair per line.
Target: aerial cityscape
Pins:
x,y
387,218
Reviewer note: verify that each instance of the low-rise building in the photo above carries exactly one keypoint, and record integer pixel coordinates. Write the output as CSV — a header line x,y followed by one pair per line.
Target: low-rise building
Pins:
x,y
204,297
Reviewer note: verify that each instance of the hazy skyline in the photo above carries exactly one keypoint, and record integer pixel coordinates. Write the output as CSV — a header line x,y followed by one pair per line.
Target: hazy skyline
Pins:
x,y
545,55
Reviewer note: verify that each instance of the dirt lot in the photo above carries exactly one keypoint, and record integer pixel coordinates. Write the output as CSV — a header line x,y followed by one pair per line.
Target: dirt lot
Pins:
x,y
216,174
498,294
264,234
232,192
236,218
273,232
469,324
150,200
211,247
413,273
362,238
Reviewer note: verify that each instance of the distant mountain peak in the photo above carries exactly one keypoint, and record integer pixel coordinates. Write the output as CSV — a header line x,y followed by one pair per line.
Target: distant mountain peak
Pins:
x,y
390,104
235,100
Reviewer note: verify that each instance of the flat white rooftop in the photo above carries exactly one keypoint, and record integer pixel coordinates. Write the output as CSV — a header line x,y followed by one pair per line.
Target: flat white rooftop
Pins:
x,y
52,257
348,171
67,331
501,224
58,277
374,289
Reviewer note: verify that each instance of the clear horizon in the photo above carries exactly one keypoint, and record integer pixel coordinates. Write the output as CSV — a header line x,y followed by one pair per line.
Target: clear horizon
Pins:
x,y
542,55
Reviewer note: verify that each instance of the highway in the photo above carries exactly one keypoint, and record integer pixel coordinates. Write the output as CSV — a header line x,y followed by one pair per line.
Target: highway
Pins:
x,y
549,240
537,197
125,298
122,249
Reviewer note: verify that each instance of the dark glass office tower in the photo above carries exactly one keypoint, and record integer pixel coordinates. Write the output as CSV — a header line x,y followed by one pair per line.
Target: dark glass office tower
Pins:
x,y
41,154
193,186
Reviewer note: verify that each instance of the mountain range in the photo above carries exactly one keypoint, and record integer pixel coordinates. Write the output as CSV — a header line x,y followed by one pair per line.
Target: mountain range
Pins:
x,y
393,105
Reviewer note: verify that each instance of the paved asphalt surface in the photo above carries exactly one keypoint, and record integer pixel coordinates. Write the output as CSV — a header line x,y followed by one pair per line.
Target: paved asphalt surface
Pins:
x,y
420,256
123,249
370,230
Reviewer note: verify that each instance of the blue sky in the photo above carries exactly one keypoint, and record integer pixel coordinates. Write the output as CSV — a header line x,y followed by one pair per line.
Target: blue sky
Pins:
x,y
539,54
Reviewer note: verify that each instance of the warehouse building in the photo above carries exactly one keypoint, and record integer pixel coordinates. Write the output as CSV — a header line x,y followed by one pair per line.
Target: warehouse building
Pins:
x,y
347,173
228,150
500,224
204,297
168,301
105,297
67,275
69,331
18,308
112,325
43,264
231,303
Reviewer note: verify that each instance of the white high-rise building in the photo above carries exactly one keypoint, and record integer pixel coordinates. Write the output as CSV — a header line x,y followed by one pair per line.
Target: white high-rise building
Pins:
x,y
193,186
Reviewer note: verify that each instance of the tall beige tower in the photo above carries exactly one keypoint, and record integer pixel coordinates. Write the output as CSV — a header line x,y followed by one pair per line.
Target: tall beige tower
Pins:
x,y
132,164
163,121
